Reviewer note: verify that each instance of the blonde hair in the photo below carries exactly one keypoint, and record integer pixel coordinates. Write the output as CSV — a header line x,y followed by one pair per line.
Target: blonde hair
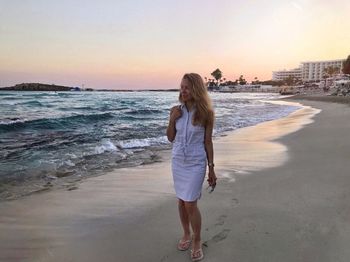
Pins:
x,y
204,111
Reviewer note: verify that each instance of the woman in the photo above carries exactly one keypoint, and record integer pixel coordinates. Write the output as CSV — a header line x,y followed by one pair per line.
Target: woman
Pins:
x,y
190,128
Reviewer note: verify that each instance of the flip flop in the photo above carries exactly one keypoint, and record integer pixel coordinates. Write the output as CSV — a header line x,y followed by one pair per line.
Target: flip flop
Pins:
x,y
197,255
184,244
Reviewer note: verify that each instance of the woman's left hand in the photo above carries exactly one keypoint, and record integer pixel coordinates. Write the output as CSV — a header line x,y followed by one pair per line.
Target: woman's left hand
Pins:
x,y
211,177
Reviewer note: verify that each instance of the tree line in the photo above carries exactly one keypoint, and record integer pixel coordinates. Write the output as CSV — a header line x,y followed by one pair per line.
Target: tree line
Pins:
x,y
219,80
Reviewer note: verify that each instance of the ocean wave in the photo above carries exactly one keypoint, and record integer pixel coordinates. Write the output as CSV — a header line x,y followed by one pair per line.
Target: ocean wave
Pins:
x,y
69,109
130,117
145,142
11,121
13,98
31,103
63,94
106,146
143,111
52,123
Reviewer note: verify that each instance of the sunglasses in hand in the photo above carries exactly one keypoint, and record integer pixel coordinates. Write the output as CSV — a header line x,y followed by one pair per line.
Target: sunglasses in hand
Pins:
x,y
212,187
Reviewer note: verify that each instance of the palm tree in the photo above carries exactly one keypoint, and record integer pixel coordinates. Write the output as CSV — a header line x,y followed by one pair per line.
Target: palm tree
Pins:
x,y
331,70
217,74
241,80
290,80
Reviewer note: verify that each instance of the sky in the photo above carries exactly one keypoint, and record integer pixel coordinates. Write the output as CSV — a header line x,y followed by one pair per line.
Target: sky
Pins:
x,y
135,44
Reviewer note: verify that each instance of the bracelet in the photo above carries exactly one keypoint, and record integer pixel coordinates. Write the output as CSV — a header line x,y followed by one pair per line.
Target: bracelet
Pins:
x,y
211,165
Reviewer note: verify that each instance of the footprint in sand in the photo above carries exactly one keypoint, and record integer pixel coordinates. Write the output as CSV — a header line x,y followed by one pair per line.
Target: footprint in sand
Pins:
x,y
221,236
235,202
218,237
221,220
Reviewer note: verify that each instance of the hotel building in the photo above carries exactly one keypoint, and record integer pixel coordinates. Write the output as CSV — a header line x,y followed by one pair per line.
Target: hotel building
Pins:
x,y
313,71
308,71
281,75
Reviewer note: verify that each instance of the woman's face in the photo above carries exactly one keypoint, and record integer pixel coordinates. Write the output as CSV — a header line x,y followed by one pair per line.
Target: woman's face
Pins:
x,y
185,90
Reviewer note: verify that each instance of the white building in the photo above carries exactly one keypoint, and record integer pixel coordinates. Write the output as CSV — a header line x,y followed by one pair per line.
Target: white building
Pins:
x,y
308,71
314,70
281,75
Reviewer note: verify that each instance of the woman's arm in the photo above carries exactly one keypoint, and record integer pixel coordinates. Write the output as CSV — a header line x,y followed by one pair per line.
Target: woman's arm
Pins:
x,y
175,113
208,141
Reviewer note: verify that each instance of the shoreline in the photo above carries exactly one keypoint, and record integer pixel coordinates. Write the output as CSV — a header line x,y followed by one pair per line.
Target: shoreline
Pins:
x,y
254,142
320,98
113,207
68,180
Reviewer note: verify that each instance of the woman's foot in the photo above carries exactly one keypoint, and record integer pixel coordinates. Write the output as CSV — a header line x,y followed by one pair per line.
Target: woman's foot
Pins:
x,y
196,244
196,251
184,243
197,254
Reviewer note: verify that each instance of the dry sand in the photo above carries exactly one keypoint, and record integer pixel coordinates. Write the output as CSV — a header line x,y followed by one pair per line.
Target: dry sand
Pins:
x,y
283,195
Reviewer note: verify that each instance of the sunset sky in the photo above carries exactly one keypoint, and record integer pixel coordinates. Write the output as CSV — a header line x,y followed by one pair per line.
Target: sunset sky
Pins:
x,y
151,44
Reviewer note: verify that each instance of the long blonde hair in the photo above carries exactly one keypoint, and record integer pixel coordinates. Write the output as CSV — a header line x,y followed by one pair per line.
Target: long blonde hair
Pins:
x,y
204,111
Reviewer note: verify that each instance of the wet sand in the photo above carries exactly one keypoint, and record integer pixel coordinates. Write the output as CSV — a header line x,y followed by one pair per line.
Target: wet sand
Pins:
x,y
282,195
322,98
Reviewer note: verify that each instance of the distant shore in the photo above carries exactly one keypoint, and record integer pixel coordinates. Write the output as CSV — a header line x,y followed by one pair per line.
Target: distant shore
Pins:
x,y
59,88
37,87
29,87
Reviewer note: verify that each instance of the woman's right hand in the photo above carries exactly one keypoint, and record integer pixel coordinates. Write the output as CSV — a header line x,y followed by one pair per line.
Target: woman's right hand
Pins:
x,y
175,113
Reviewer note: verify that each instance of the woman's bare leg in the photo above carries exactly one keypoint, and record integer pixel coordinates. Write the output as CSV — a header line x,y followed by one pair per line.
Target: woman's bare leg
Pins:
x,y
196,222
184,220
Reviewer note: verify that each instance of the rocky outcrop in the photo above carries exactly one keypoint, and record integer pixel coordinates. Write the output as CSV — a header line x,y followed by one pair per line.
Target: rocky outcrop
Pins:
x,y
37,87
342,88
289,90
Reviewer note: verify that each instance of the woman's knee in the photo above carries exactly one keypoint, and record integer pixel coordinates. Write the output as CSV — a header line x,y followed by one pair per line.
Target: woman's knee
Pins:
x,y
190,206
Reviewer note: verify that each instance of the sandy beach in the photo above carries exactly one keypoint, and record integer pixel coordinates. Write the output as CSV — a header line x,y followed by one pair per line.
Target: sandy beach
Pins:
x,y
282,195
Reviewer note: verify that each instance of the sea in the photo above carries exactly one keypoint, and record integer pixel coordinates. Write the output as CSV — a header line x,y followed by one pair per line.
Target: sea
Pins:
x,y
48,137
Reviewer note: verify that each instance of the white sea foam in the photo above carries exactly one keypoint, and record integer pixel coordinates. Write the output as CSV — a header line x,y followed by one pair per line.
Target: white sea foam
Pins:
x,y
10,122
106,146
134,143
69,163
71,155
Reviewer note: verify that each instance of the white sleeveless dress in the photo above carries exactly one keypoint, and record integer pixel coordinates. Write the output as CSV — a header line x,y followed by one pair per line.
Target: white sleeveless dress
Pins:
x,y
189,159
